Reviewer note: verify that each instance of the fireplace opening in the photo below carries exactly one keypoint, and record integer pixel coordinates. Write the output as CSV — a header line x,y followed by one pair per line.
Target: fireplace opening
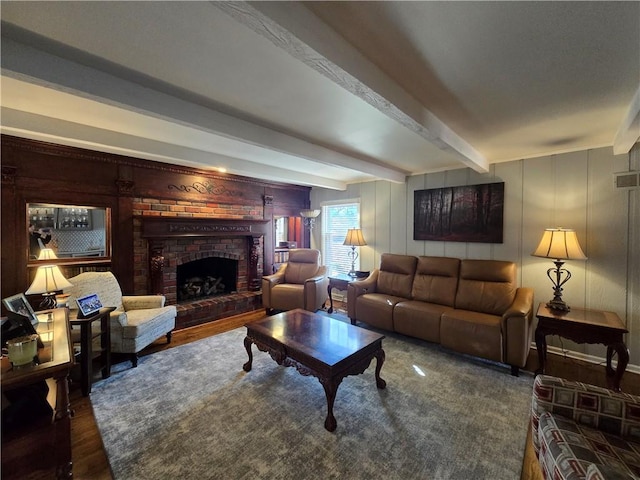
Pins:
x,y
206,277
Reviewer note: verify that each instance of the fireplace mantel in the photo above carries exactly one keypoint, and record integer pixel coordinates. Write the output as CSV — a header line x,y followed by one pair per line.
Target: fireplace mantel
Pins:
x,y
170,227
158,230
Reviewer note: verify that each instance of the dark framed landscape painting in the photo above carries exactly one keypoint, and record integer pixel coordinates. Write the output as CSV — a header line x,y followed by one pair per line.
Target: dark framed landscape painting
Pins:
x,y
471,213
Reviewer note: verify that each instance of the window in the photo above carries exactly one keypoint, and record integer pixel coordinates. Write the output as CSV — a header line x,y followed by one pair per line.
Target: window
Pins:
x,y
336,220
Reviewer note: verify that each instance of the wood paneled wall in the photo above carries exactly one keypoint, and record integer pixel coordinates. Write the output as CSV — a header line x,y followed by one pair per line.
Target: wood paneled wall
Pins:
x,y
574,190
38,172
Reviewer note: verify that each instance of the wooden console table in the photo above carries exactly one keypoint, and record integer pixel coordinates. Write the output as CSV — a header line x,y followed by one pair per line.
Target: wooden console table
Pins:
x,y
85,338
584,326
41,447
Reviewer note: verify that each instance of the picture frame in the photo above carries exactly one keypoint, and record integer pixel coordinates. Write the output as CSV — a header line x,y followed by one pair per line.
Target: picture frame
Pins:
x,y
88,305
467,213
19,304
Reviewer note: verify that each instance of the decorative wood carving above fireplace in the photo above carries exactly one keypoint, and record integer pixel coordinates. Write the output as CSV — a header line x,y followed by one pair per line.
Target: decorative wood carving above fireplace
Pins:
x,y
167,227
157,229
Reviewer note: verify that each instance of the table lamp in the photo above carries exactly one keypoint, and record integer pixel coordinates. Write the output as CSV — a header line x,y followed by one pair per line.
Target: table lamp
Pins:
x,y
48,281
561,244
354,239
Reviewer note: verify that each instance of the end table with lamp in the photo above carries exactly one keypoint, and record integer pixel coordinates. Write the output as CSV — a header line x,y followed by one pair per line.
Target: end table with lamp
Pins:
x,y
584,326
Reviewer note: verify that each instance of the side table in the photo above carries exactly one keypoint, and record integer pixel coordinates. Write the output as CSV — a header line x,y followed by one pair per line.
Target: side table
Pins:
x,y
340,281
584,326
85,338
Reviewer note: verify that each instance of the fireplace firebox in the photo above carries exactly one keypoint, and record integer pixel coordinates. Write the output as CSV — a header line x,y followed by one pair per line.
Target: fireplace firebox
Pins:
x,y
206,277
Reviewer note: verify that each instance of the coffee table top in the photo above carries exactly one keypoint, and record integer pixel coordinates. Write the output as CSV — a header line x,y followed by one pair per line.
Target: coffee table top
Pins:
x,y
319,336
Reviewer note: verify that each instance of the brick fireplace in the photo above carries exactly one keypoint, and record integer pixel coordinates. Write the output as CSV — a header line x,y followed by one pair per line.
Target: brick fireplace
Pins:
x,y
174,242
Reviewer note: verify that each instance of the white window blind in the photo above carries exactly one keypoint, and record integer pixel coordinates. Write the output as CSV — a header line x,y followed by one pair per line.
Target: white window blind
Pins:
x,y
336,220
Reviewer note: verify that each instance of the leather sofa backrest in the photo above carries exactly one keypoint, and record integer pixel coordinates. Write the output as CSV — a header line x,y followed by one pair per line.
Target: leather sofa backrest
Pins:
x,y
487,286
436,280
303,263
396,274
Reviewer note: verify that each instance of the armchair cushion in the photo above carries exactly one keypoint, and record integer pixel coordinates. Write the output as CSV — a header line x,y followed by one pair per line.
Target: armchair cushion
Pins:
x,y
568,449
584,431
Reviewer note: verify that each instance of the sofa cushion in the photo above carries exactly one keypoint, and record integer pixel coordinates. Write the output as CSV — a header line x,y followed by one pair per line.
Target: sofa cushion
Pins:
x,y
567,449
376,309
436,280
474,333
487,286
616,413
605,472
419,319
396,275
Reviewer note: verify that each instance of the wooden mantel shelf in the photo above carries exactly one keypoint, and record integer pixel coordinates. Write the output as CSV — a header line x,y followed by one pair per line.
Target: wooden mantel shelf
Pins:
x,y
170,227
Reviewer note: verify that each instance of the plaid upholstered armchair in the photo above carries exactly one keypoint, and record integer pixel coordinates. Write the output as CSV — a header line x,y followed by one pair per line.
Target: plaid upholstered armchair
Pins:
x,y
581,431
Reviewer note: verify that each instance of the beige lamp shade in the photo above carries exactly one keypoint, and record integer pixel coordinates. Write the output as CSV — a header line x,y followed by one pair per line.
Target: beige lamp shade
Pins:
x,y
354,238
48,279
47,254
559,243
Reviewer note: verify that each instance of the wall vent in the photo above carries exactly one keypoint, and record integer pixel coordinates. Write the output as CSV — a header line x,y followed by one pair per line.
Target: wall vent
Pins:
x,y
626,180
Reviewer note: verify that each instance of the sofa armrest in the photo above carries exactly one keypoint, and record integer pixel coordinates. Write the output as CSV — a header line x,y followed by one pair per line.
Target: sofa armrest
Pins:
x,y
616,413
270,281
315,290
360,287
517,328
139,302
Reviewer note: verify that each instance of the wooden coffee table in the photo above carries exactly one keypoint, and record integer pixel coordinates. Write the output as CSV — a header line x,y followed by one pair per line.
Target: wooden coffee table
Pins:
x,y
317,345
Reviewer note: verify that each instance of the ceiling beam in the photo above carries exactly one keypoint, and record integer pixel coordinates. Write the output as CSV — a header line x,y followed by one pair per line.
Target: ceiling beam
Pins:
x,y
47,129
24,63
629,131
293,28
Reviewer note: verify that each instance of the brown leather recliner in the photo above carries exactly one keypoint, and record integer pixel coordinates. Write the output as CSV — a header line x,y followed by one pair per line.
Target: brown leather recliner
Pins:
x,y
300,283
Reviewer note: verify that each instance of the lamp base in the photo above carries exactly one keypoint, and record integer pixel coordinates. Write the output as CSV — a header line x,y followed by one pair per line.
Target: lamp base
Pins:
x,y
48,301
558,305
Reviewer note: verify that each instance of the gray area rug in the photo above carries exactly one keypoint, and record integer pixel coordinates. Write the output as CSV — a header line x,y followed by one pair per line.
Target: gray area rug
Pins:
x,y
191,412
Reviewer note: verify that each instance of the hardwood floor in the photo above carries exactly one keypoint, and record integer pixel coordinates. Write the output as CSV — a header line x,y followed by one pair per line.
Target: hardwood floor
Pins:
x,y
89,459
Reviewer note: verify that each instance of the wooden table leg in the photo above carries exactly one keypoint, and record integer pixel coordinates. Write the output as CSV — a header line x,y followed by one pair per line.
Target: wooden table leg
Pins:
x,y
330,390
86,358
615,377
247,345
380,356
330,299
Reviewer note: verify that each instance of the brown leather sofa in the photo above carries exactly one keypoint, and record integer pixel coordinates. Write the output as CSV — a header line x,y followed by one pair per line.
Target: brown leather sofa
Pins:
x,y
470,306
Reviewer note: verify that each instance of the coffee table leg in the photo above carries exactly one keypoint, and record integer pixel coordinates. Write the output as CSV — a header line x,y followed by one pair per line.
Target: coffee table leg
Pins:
x,y
247,345
380,356
330,390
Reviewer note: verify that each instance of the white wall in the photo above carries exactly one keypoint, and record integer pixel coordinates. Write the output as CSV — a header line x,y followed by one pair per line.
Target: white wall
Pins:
x,y
573,190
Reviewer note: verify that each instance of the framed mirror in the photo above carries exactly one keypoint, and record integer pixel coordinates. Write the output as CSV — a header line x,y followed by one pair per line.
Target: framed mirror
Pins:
x,y
70,231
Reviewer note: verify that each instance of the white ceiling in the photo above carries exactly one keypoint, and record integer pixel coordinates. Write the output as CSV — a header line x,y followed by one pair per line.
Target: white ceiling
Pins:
x,y
324,93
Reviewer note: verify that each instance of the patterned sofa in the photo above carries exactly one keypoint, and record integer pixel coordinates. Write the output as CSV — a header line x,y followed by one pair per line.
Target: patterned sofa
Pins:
x,y
469,306
581,431
137,321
